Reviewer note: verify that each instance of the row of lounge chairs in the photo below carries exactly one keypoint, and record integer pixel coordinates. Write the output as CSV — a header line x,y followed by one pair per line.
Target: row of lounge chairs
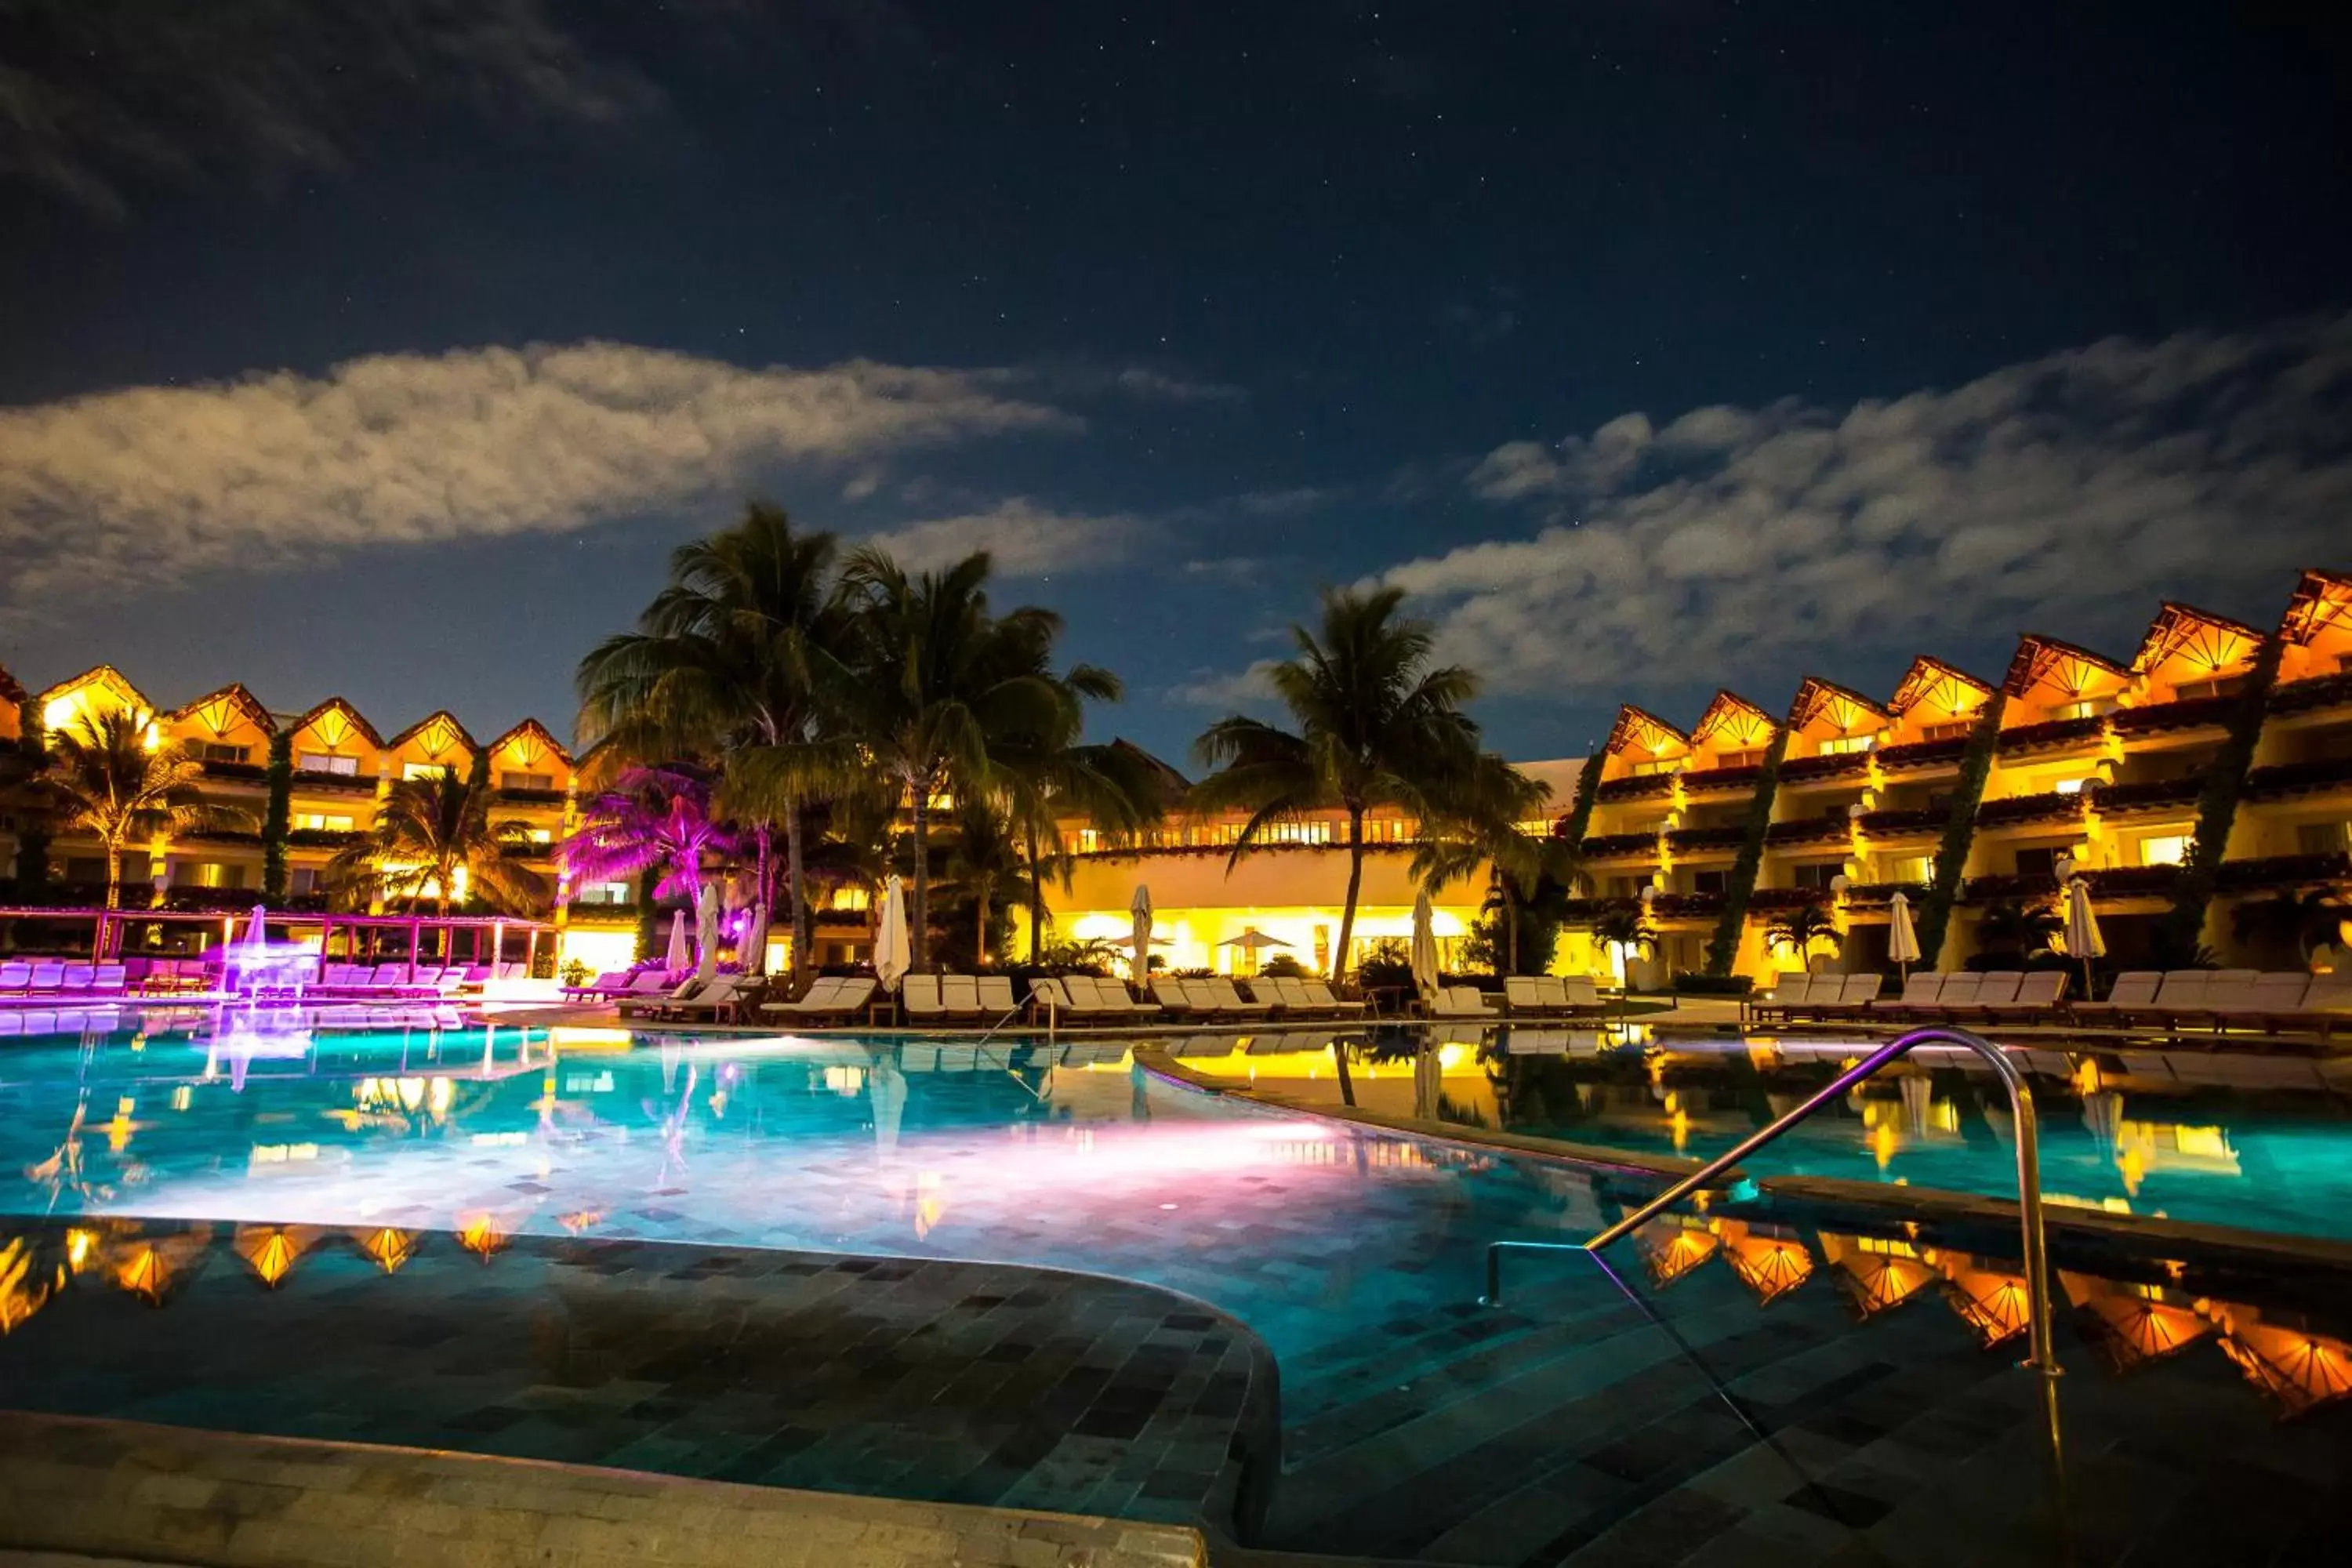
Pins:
x,y
2219,998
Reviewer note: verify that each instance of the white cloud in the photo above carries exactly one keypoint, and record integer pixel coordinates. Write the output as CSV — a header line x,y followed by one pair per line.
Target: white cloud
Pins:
x,y
2045,495
1024,538
122,490
1244,689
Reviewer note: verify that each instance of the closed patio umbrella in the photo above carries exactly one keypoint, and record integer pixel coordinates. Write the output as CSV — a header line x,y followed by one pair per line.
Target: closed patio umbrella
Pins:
x,y
891,951
1902,938
1252,942
755,941
1424,945
1139,908
706,932
2082,938
680,957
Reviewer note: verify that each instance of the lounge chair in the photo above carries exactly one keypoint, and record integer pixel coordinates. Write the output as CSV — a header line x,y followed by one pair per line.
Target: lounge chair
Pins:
x,y
1791,991
722,1001
1228,1001
996,997
1117,1003
829,996
1048,999
15,977
959,998
1175,997
1318,994
46,979
918,999
1460,1002
1845,997
2038,995
2134,993
604,985
1919,996
1523,998
686,990
1579,995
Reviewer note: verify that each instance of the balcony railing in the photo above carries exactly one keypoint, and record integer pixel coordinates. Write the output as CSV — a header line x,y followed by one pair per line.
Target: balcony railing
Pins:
x,y
2017,885
239,772
1586,911
2312,693
1708,781
2133,881
223,835
1685,905
1896,824
1812,770
2298,778
1610,846
2190,714
340,784
2053,806
1922,755
2152,794
530,796
323,837
1807,830
1778,900
1642,788
2057,732
1695,840
1866,894
2286,871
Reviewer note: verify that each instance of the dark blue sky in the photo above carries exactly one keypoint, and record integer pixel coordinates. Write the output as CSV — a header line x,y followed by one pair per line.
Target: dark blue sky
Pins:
x,y
1252,297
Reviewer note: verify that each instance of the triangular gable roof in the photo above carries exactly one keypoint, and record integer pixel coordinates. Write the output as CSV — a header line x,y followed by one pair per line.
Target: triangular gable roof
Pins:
x,y
1816,696
1727,709
1925,678
2039,658
438,716
99,675
2217,640
1642,727
351,715
2321,600
531,727
234,696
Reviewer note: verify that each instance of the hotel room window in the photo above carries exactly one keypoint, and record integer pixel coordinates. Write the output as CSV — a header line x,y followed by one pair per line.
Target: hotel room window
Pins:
x,y
2083,708
326,763
411,770
1847,745
1746,759
1953,729
2168,850
221,751
2322,837
2037,862
527,781
320,822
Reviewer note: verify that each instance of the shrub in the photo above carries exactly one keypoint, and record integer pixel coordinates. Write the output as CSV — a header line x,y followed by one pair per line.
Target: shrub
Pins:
x,y
1691,983
1281,966
1386,963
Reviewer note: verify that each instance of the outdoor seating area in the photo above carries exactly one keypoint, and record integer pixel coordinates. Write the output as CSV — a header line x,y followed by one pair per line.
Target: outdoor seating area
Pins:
x,y
2216,1000
62,980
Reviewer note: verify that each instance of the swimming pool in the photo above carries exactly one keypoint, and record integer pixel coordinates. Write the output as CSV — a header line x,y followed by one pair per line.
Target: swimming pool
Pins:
x,y
1411,1415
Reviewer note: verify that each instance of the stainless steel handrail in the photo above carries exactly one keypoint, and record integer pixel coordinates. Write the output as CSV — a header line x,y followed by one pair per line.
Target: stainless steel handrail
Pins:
x,y
2043,1357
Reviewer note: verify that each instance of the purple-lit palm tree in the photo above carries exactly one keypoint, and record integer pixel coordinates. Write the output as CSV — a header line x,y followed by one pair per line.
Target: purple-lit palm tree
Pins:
x,y
652,818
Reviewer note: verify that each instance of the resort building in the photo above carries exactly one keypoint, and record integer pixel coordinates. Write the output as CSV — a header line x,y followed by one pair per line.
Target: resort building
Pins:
x,y
2074,762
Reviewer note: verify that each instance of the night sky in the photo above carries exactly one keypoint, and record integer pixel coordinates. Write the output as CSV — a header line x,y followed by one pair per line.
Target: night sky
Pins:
x,y
1652,344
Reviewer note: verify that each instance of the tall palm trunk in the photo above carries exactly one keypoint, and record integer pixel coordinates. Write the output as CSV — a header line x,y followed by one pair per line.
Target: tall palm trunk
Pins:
x,y
1511,928
980,955
794,869
113,873
1036,895
1355,886
918,949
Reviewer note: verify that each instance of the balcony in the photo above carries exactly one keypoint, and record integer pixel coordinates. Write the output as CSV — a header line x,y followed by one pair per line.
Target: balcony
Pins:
x,y
1686,906
2290,779
1878,895
2154,794
1905,823
2313,693
1647,786
2058,734
2332,868
1778,900
2164,718
1716,781
236,772
2133,881
1584,912
1921,754
2022,887
529,796
334,783
1818,770
322,837
2019,810
1807,830
1617,846
221,836
1699,840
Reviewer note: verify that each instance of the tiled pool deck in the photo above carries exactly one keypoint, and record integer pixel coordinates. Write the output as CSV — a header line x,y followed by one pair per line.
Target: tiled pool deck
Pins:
x,y
956,1382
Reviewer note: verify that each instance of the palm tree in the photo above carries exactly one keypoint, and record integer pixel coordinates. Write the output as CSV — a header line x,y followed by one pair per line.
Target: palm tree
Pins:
x,y
1628,931
1378,724
429,830
108,781
1117,789
986,865
945,691
1483,829
1801,929
2288,918
740,660
2008,926
651,819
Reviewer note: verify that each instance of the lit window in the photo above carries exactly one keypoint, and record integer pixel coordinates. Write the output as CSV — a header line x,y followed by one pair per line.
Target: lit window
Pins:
x,y
1847,745
326,763
527,781
2083,708
540,836
1747,758
1656,766
1956,729
2169,850
2069,786
604,894
1915,869
2322,837
320,822
221,751
427,771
